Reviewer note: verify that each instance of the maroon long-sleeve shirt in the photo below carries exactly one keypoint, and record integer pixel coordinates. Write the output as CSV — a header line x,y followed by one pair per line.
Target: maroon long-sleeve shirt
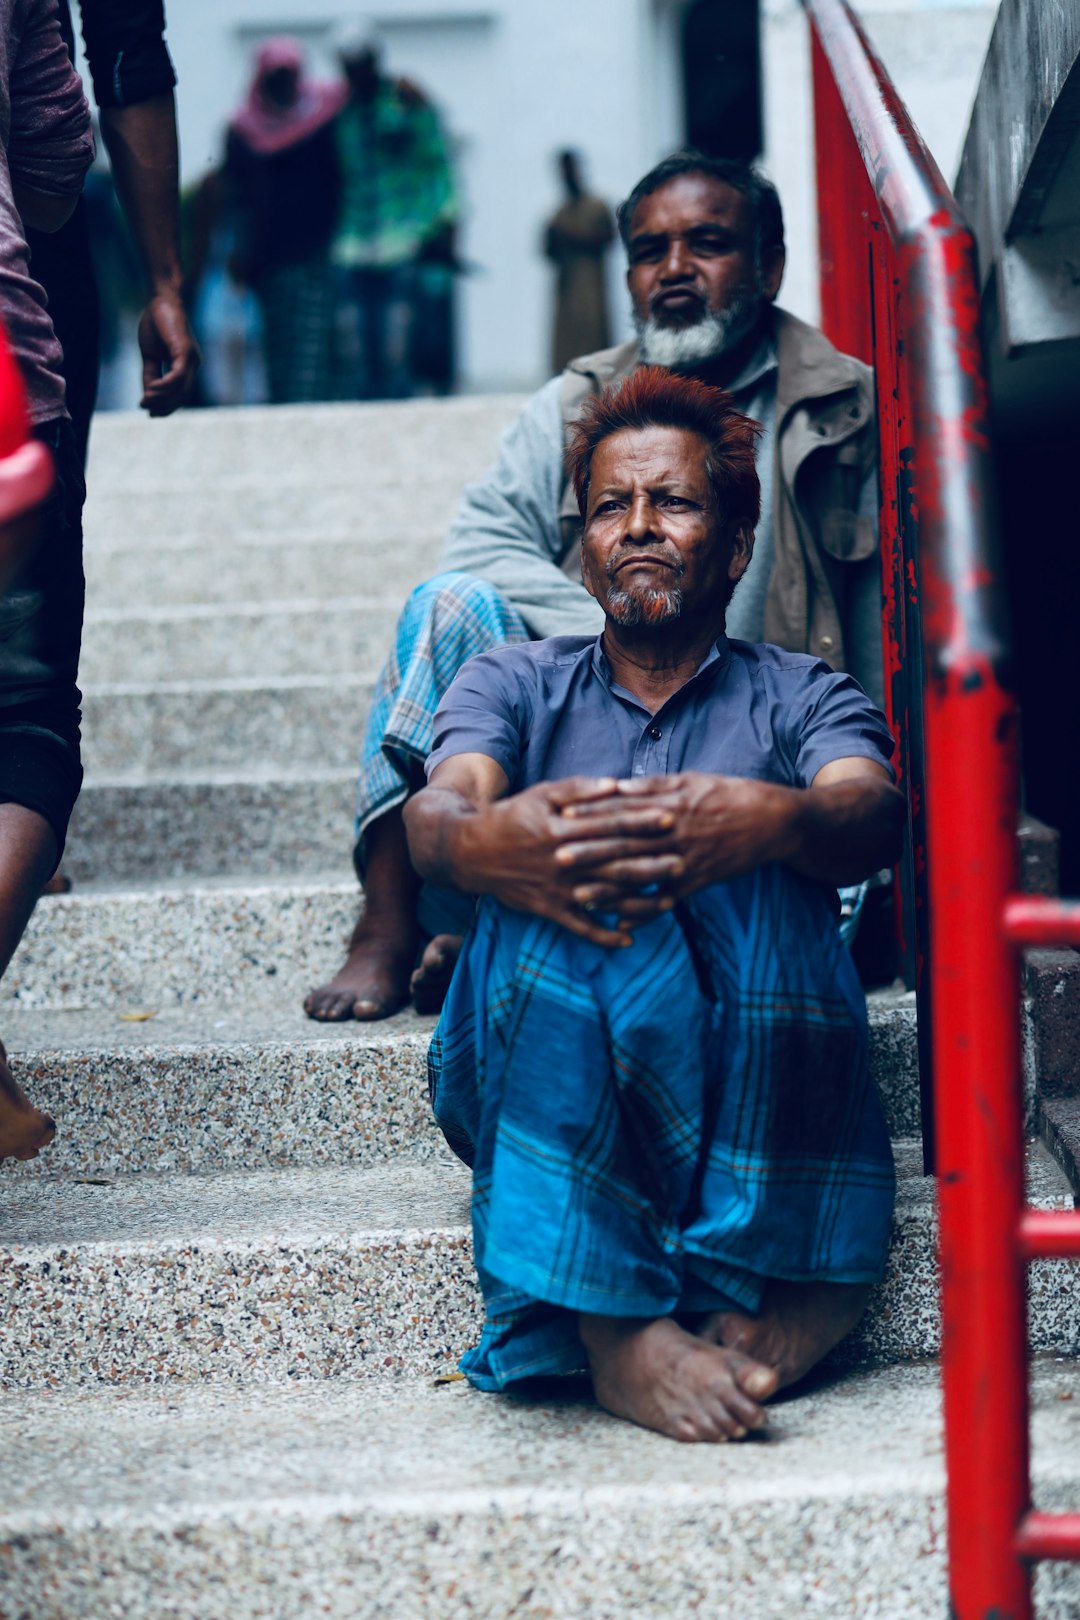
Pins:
x,y
46,145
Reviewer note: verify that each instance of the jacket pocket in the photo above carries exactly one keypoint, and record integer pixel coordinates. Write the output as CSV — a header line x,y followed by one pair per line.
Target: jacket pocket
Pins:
x,y
846,536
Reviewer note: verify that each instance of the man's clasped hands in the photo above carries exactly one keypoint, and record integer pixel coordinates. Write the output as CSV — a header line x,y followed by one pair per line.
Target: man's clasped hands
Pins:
x,y
602,856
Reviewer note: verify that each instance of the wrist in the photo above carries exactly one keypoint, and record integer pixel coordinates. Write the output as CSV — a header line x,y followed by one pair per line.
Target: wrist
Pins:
x,y
462,850
794,810
167,283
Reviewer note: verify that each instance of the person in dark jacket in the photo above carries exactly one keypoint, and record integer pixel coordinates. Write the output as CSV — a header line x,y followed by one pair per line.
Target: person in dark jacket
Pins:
x,y
281,162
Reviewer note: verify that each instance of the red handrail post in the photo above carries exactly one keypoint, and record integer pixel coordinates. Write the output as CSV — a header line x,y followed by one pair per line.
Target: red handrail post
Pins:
x,y
972,796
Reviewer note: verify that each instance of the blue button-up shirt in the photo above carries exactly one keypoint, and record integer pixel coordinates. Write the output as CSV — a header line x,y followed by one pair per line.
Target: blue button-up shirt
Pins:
x,y
544,710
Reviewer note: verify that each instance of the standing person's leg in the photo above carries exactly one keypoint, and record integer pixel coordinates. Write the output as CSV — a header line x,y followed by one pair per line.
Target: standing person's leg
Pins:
x,y
444,622
40,773
62,262
297,315
28,851
373,331
398,322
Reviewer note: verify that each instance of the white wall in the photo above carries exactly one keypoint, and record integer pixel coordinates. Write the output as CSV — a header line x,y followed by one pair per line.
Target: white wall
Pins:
x,y
933,51
518,79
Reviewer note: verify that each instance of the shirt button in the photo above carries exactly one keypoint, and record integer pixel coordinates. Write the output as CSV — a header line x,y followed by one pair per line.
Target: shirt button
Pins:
x,y
655,733
826,643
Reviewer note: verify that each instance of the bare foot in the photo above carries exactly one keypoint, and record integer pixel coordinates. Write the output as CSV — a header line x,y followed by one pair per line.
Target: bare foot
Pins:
x,y
658,1375
59,883
431,981
375,979
799,1323
24,1129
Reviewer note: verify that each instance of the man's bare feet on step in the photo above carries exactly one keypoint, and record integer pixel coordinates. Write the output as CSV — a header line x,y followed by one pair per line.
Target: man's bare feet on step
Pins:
x,y
431,981
375,979
660,1376
799,1323
24,1129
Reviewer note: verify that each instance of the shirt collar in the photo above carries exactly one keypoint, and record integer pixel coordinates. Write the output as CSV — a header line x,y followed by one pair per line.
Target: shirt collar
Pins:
x,y
718,653
758,366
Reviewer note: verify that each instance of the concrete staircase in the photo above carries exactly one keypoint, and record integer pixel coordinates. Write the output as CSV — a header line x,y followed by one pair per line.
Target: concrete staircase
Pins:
x,y
233,1292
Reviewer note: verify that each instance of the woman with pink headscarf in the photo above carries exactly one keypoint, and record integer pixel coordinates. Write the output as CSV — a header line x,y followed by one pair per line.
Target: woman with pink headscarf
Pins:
x,y
282,164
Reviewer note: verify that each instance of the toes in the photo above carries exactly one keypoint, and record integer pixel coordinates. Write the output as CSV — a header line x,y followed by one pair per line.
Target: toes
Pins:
x,y
329,1006
366,1009
753,1377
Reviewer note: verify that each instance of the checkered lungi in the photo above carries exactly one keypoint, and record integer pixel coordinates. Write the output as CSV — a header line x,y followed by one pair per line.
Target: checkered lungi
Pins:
x,y
444,622
298,332
662,1127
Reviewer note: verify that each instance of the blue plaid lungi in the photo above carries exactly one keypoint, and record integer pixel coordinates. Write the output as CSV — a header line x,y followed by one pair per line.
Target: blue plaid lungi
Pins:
x,y
444,622
660,1128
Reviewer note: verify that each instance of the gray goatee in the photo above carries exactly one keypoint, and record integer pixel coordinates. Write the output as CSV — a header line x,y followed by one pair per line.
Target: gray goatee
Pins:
x,y
680,347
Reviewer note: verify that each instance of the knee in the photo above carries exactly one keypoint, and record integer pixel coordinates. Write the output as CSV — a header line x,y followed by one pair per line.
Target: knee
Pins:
x,y
453,592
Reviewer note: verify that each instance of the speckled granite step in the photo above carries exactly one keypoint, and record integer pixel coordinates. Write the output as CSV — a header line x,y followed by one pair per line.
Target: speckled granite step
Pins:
x,y
197,641
362,1503
245,825
415,441
223,945
370,471
358,1272
201,1087
296,722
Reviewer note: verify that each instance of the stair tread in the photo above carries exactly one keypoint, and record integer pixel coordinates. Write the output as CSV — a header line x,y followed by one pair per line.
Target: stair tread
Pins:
x,y
390,1501
300,1204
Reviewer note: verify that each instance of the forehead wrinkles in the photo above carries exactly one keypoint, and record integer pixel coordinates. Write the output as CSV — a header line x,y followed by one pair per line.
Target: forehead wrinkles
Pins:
x,y
651,455
689,201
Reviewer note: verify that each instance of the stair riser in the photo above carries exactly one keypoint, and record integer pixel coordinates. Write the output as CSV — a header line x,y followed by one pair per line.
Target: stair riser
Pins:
x,y
286,570
208,512
408,442
162,831
597,1560
325,640
242,1108
288,728
366,1307
353,1101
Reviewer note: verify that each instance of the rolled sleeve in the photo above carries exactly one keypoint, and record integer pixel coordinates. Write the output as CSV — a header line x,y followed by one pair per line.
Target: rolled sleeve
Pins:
x,y
483,712
51,145
125,48
832,718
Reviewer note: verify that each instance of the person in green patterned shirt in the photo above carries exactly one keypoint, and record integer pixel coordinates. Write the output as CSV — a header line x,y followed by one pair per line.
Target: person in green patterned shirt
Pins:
x,y
397,213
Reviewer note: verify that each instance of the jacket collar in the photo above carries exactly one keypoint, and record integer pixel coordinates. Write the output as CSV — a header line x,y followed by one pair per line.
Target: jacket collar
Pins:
x,y
810,368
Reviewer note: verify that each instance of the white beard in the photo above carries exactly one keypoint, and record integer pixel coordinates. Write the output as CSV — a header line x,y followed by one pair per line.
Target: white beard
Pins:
x,y
681,347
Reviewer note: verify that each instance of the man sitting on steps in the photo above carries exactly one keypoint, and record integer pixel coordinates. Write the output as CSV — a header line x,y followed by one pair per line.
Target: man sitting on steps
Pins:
x,y
705,241
653,1050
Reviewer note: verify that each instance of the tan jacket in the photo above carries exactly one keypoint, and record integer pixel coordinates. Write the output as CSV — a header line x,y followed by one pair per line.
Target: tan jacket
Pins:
x,y
825,447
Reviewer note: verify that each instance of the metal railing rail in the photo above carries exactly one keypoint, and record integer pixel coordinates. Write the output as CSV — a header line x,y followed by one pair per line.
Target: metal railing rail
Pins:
x,y
899,286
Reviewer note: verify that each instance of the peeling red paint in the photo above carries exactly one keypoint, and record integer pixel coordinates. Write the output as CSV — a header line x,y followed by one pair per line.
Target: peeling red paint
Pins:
x,y
885,209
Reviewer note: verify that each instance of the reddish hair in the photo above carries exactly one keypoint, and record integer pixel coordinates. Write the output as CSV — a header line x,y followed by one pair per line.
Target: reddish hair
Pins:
x,y
653,396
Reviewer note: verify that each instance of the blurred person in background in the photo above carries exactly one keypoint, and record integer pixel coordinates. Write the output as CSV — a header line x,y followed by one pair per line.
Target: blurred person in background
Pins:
x,y
225,316
282,170
397,214
118,276
576,241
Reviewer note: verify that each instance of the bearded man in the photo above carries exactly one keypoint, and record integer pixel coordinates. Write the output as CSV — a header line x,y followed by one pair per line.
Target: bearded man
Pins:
x,y
705,243
653,1050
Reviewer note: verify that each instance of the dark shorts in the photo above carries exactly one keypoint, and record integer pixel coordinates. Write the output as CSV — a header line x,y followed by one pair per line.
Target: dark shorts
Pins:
x,y
40,633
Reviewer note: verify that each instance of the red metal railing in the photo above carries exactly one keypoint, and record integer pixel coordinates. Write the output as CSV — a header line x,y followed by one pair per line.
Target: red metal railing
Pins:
x,y
899,287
